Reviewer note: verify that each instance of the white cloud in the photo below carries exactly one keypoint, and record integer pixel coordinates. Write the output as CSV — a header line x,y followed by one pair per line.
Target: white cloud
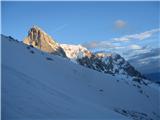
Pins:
x,y
99,44
127,49
59,28
120,23
134,47
140,36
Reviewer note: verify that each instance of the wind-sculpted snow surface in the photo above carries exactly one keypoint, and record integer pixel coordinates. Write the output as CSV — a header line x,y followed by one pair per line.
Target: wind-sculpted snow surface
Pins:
x,y
37,85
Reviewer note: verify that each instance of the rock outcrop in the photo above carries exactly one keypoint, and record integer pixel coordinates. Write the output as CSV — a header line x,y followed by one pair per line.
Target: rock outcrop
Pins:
x,y
111,63
39,39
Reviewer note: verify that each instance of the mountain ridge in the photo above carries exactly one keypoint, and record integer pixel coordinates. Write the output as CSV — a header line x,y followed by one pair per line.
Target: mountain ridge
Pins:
x,y
111,63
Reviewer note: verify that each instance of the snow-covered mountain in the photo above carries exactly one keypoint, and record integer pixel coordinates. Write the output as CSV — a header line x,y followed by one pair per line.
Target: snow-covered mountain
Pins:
x,y
111,63
100,61
41,40
38,85
75,52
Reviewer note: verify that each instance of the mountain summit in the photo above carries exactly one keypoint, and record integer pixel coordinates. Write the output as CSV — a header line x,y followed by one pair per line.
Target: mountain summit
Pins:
x,y
41,40
104,62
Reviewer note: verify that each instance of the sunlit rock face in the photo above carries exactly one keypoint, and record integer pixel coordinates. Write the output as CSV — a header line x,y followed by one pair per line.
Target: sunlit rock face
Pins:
x,y
111,63
39,39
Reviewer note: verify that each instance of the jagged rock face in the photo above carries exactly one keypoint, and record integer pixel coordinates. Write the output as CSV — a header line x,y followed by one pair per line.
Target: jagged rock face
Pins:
x,y
101,61
109,63
39,39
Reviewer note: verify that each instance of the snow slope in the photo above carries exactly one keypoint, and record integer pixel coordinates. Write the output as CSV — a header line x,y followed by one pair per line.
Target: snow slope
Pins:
x,y
37,85
75,52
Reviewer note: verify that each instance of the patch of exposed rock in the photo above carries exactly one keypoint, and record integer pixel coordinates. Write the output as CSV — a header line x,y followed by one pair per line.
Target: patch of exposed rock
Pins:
x,y
39,39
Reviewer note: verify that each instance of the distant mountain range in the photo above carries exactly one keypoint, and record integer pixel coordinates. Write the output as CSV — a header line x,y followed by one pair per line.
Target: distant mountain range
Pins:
x,y
110,63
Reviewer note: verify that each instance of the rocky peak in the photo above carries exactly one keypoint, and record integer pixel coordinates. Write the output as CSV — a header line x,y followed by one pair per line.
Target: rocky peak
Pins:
x,y
41,40
111,63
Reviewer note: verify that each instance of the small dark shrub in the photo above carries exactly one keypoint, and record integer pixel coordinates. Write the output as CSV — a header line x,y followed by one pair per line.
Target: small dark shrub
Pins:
x,y
145,83
153,113
134,85
144,114
138,86
10,37
101,90
124,111
48,58
137,80
16,40
32,51
28,47
141,91
31,46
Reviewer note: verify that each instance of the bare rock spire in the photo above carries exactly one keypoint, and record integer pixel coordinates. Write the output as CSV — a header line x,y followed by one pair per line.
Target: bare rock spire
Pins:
x,y
41,40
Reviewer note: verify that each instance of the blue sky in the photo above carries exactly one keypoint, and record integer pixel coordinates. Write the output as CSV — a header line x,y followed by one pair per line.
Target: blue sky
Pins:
x,y
129,28
78,22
